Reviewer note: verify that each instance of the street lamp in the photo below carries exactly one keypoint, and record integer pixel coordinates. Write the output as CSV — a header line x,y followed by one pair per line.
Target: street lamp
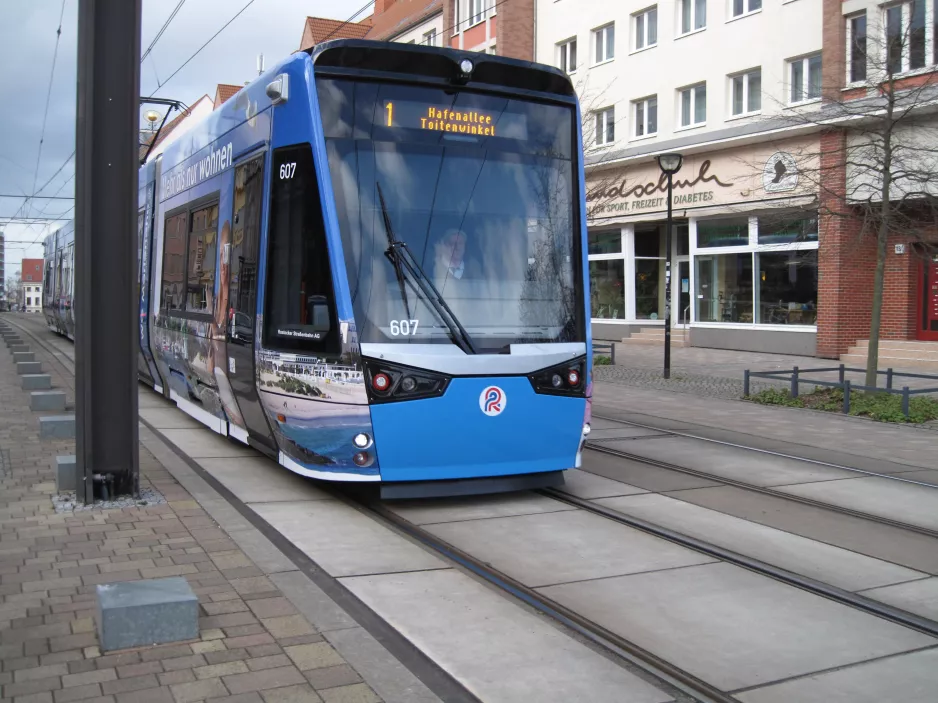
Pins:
x,y
669,164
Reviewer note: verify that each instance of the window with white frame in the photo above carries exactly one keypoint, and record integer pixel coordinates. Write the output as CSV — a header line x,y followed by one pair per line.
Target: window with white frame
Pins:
x,y
905,36
804,78
693,15
429,38
744,7
604,43
645,28
646,116
567,55
477,11
693,105
607,274
747,92
605,126
756,269
856,48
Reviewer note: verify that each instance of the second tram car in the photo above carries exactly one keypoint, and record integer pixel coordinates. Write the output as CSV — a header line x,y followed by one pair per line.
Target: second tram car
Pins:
x,y
370,264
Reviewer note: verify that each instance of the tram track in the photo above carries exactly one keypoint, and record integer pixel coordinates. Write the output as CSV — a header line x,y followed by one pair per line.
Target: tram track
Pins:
x,y
658,670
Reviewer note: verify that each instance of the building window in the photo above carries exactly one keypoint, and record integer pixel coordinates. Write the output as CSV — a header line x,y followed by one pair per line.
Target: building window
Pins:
x,y
724,287
200,287
646,116
607,274
567,51
606,126
694,105
604,39
856,48
429,38
747,92
744,7
787,288
785,228
693,15
645,25
723,232
649,272
805,78
905,36
476,11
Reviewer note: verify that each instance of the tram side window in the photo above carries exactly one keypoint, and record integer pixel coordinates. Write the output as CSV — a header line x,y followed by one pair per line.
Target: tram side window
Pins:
x,y
300,308
174,255
203,227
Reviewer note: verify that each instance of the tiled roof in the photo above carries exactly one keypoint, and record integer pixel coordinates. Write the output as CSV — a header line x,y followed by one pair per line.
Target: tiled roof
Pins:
x,y
318,29
225,91
402,15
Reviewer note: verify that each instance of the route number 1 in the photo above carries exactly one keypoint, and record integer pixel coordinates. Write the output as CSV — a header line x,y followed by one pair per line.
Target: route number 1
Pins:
x,y
287,170
390,108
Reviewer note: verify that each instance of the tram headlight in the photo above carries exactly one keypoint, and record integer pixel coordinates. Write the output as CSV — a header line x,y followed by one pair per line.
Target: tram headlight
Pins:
x,y
466,66
556,381
389,382
363,459
361,440
409,384
563,379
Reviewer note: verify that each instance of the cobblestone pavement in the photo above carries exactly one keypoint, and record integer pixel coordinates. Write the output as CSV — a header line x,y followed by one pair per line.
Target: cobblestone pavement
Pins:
x,y
255,646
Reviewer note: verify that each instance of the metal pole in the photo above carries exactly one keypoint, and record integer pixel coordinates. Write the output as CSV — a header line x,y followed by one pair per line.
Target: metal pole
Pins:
x,y
106,162
667,290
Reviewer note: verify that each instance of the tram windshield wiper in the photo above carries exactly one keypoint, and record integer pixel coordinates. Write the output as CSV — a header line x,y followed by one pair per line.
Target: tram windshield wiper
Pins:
x,y
403,261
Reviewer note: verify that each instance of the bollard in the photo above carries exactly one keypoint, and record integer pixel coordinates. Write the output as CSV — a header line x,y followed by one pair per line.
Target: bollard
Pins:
x,y
846,397
905,401
842,370
889,379
794,383
746,383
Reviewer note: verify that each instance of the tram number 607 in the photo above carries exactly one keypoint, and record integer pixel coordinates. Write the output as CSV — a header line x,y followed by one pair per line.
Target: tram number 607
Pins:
x,y
404,328
287,170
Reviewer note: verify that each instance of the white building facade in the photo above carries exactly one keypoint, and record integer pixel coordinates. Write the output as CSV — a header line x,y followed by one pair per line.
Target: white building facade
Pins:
x,y
712,80
32,297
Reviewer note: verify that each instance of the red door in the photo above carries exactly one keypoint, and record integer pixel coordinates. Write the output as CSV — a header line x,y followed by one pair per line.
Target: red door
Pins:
x,y
927,318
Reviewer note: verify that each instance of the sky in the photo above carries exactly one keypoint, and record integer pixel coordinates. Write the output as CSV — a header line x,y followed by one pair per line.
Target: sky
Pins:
x,y
28,33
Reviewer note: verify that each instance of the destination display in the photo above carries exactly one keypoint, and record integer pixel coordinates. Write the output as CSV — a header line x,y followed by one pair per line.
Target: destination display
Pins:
x,y
454,120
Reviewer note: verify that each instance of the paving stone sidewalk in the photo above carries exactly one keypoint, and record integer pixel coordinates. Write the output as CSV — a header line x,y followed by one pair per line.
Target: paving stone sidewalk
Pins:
x,y
255,646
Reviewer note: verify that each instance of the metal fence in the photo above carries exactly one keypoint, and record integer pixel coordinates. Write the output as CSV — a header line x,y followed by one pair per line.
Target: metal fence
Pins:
x,y
604,347
795,378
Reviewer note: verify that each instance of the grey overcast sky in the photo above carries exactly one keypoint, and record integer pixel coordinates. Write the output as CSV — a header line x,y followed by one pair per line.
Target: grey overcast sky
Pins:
x,y
28,32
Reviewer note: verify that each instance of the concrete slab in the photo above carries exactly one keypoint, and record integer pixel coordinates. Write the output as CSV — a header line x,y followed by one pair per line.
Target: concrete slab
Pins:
x,y
909,678
57,427
906,502
164,417
500,652
635,473
560,547
25,367
259,480
833,565
919,597
48,401
65,478
893,544
586,485
426,512
144,613
732,627
343,541
920,476
205,444
19,356
36,381
148,398
740,464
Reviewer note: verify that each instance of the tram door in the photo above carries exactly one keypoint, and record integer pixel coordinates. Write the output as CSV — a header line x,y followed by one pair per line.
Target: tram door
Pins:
x,y
242,296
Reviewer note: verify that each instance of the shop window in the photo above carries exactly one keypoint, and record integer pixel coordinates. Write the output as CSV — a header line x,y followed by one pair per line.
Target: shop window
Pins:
x,y
607,289
724,288
604,242
779,229
788,286
724,232
648,241
649,289
200,288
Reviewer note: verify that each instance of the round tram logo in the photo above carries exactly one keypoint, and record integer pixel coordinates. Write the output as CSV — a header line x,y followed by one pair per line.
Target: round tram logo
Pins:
x,y
492,401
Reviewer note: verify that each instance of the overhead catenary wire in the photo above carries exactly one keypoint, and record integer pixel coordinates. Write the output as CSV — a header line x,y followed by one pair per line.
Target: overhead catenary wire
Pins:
x,y
45,115
160,32
356,14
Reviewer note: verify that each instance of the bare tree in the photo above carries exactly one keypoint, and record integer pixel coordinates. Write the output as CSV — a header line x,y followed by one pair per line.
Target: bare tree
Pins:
x,y
881,137
13,288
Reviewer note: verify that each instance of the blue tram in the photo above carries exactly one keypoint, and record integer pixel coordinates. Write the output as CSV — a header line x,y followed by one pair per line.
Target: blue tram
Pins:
x,y
370,264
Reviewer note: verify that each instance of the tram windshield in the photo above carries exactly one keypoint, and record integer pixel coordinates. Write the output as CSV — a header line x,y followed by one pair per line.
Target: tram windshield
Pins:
x,y
479,190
